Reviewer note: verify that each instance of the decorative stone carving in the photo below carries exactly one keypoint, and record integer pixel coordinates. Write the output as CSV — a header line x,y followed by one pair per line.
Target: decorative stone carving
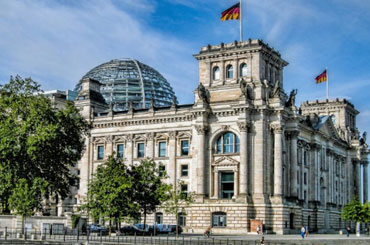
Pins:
x,y
244,126
276,90
278,129
129,137
245,90
150,136
201,129
203,93
363,138
97,140
172,135
291,100
109,138
225,127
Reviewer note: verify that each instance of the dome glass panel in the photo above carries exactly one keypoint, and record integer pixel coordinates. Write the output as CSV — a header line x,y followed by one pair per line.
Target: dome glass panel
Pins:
x,y
128,80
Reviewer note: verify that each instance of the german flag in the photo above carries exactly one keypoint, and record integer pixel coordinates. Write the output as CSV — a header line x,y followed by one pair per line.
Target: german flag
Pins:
x,y
323,77
232,13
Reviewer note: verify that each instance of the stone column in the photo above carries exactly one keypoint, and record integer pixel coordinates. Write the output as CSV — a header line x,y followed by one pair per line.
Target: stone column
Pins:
x,y
259,164
293,163
149,145
216,184
109,146
236,184
278,160
201,130
366,181
172,157
222,72
129,149
350,180
236,70
243,173
358,179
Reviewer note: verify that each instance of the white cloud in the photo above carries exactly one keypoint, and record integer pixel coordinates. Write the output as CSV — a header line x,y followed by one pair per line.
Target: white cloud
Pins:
x,y
57,44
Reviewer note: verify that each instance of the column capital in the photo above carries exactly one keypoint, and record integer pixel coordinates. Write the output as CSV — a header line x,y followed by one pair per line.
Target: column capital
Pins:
x,y
201,129
292,133
150,136
278,128
244,126
172,135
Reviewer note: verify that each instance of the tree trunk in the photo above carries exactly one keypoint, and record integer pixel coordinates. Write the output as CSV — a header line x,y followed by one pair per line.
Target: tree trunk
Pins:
x,y
144,218
358,228
110,225
177,222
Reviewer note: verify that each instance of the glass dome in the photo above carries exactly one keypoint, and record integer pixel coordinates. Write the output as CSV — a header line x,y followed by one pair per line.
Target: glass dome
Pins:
x,y
128,80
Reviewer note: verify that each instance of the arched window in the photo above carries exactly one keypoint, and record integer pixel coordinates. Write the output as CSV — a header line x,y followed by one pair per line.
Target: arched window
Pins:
x,y
229,71
216,73
228,143
243,70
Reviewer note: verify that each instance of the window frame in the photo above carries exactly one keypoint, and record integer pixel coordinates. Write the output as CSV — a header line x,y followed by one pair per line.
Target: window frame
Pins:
x,y
216,70
138,152
184,170
182,152
160,149
181,219
100,155
221,147
242,65
120,155
229,71
218,216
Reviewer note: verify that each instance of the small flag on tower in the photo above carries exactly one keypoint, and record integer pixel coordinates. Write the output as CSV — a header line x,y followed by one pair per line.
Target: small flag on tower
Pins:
x,y
323,77
232,13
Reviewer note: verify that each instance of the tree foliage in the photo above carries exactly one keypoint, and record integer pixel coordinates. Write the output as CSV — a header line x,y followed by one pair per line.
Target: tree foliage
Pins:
x,y
26,199
177,201
36,139
110,192
357,212
149,190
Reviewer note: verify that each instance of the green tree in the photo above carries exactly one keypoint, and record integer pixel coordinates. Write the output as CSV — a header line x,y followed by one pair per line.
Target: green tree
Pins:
x,y
26,198
149,190
177,201
37,140
357,212
110,193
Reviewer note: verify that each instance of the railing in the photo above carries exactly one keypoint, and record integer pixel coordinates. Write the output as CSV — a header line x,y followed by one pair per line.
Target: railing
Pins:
x,y
68,236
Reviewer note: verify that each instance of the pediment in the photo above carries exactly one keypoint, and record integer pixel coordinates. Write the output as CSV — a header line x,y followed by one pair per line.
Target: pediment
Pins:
x,y
184,135
99,140
225,161
161,136
140,137
119,138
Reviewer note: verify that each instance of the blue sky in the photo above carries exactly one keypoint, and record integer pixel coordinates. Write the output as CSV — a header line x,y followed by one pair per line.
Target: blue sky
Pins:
x,y
57,42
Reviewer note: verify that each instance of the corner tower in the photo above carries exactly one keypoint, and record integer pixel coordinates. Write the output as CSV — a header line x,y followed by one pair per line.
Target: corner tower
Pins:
x,y
251,65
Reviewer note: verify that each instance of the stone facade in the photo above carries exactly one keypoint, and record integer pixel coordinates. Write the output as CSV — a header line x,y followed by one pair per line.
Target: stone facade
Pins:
x,y
243,147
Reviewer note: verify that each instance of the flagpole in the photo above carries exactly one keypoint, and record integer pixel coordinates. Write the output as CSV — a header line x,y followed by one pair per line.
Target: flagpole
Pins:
x,y
241,22
327,84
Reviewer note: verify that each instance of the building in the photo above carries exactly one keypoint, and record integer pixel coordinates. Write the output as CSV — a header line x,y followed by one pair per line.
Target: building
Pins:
x,y
244,148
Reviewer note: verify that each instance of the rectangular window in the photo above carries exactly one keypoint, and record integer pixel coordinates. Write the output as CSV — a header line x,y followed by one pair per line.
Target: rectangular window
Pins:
x,y
162,170
182,219
120,150
219,220
184,170
140,150
100,152
305,196
305,178
162,149
184,147
184,190
227,185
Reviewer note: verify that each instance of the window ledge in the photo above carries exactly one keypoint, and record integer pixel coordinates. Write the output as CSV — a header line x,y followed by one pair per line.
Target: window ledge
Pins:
x,y
227,154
